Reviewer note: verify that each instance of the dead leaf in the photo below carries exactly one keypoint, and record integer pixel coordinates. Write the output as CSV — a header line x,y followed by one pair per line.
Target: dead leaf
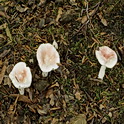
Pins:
x,y
41,111
21,98
84,19
104,120
104,22
101,106
110,114
77,95
79,119
2,73
24,99
8,33
59,14
21,9
49,92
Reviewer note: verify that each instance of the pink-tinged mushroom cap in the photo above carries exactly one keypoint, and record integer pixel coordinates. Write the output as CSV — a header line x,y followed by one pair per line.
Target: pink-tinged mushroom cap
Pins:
x,y
21,76
48,58
106,56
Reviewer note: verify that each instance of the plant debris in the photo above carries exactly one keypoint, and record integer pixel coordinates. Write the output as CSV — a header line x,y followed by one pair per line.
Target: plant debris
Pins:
x,y
71,94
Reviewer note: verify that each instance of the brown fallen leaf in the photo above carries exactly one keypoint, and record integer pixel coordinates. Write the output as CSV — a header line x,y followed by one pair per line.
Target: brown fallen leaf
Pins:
x,y
77,95
84,19
21,98
2,73
41,111
101,106
104,22
104,120
49,92
79,119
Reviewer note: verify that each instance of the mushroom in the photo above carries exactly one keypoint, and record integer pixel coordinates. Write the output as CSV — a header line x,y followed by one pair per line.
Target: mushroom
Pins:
x,y
48,58
107,58
21,77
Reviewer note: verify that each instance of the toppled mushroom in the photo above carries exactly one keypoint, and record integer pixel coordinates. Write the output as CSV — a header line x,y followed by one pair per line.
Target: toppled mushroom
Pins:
x,y
107,58
21,77
48,58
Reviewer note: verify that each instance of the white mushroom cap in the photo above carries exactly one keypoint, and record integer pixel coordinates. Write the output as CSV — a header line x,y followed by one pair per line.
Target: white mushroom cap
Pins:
x,y
48,57
21,76
106,56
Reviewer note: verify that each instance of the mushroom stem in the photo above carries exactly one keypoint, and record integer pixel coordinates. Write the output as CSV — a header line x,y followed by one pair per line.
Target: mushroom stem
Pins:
x,y
102,72
44,74
21,91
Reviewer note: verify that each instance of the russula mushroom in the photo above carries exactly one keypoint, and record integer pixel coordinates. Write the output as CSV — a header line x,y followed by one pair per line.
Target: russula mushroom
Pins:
x,y
21,77
48,58
107,58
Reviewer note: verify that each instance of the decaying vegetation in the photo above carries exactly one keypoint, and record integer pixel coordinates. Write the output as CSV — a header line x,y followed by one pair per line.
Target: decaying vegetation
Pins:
x,y
72,93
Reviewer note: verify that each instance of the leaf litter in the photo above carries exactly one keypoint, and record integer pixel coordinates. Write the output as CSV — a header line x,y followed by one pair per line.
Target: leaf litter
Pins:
x,y
71,94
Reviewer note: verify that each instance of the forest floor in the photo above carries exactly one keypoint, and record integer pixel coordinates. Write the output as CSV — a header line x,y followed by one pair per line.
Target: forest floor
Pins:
x,y
72,94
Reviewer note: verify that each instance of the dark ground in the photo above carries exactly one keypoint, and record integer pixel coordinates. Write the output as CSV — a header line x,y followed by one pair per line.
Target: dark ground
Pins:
x,y
71,94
